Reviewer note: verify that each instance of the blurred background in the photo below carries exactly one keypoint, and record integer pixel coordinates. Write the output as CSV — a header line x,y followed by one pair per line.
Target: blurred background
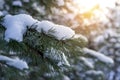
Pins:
x,y
98,20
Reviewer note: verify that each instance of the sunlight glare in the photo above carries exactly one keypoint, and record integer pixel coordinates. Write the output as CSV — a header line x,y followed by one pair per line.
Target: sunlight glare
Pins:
x,y
88,8
107,3
89,4
85,5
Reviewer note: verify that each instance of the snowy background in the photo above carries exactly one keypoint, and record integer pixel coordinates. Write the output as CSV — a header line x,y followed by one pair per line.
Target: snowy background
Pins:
x,y
98,21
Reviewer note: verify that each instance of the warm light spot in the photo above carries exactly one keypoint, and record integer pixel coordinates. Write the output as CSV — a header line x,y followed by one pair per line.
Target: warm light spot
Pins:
x,y
93,15
90,12
87,7
88,4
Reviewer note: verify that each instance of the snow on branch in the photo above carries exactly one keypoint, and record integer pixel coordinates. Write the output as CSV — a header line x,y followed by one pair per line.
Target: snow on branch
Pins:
x,y
99,56
93,72
17,25
87,62
17,63
60,32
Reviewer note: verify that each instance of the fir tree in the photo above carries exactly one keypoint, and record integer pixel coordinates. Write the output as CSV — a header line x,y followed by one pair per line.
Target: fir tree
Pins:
x,y
47,57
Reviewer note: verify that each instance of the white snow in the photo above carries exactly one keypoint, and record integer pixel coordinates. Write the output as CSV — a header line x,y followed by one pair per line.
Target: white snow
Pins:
x,y
87,63
45,26
66,77
113,40
17,25
2,2
55,10
17,3
111,75
117,45
1,14
99,56
63,33
60,32
110,32
93,72
118,69
81,37
4,58
99,39
17,63
60,2
65,59
39,8
60,57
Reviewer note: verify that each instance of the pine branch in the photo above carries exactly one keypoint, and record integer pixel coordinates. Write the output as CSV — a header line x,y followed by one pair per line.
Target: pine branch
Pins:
x,y
34,50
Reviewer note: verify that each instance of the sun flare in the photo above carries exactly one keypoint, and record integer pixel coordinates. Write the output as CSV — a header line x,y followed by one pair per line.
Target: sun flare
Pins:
x,y
88,4
88,7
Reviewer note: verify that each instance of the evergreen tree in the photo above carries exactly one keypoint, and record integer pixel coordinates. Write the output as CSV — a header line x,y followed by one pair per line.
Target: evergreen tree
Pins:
x,y
47,57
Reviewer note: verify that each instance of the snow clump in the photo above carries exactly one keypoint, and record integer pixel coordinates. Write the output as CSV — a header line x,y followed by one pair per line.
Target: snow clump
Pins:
x,y
99,56
60,32
17,63
16,26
